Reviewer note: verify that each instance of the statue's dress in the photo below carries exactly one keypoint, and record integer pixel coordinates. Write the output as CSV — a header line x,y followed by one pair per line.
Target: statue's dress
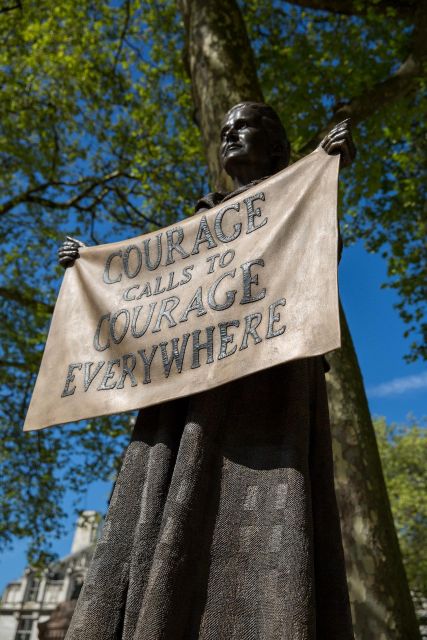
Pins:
x,y
223,524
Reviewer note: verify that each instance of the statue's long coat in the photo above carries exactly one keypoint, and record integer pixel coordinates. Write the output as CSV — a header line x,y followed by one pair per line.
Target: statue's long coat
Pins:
x,y
223,524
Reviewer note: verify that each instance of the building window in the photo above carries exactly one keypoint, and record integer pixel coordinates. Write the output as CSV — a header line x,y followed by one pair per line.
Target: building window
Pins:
x,y
23,631
94,532
33,590
77,587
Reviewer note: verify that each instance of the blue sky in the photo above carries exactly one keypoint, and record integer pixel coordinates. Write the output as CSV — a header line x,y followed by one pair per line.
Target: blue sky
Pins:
x,y
395,389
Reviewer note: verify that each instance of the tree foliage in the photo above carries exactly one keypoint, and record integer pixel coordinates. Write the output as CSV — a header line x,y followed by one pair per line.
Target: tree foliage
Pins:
x,y
91,92
99,139
365,60
403,450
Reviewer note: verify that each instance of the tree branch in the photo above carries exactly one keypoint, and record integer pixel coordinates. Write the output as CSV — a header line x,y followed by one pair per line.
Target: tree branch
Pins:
x,y
138,213
9,205
17,365
404,8
402,83
12,7
25,300
123,34
31,196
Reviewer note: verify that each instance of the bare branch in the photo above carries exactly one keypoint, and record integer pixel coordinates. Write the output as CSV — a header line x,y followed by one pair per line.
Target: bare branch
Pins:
x,y
12,7
17,365
404,8
25,299
137,211
21,197
56,150
123,34
92,228
128,219
402,83
30,196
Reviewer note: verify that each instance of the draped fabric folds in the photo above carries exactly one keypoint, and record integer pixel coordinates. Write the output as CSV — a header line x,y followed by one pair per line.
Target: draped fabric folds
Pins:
x,y
223,523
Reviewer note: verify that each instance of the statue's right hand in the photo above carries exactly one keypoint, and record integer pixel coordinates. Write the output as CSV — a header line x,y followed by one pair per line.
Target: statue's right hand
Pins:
x,y
68,252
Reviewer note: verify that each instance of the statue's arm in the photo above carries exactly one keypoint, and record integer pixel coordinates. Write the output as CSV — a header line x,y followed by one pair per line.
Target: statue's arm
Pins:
x,y
339,140
68,252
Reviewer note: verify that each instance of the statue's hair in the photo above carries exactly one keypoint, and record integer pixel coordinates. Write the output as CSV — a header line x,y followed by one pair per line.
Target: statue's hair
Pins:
x,y
275,131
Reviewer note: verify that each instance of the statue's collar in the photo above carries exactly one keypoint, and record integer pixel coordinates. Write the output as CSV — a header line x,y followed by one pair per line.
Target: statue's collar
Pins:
x,y
217,197
236,192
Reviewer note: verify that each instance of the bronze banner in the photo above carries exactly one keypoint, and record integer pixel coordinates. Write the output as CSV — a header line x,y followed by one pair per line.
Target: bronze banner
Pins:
x,y
244,286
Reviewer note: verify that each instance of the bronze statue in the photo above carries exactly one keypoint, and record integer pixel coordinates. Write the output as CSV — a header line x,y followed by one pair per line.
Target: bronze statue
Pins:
x,y
223,523
248,155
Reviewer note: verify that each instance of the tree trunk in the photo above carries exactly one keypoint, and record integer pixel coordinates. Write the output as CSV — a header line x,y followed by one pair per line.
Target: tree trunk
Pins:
x,y
223,73
381,603
220,75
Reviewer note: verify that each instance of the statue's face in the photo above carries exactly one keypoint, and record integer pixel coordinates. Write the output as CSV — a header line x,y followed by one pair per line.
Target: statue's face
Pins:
x,y
244,142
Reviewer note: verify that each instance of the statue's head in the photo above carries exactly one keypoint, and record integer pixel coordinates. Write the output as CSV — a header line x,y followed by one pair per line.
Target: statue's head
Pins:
x,y
253,138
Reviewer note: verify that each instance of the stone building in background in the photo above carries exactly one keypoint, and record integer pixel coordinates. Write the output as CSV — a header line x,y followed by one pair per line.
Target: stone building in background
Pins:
x,y
33,598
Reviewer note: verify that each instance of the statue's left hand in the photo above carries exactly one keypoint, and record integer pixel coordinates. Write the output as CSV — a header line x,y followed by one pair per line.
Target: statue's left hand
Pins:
x,y
339,140
68,252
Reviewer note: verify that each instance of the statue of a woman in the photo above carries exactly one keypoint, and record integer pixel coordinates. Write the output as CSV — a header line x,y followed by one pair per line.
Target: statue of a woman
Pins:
x,y
223,524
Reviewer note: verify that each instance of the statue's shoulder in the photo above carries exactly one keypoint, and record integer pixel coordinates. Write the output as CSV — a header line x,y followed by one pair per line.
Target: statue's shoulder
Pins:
x,y
209,200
